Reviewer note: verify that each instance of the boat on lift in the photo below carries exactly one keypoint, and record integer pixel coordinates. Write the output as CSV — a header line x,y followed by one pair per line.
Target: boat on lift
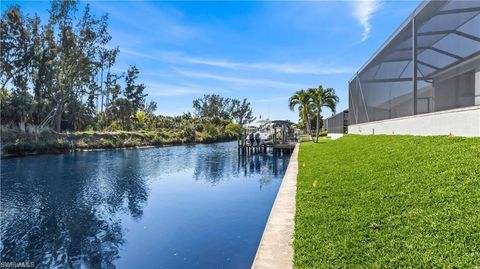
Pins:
x,y
267,129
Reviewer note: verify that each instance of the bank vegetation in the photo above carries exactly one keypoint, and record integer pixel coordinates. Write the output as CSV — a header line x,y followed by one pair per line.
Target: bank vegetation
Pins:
x,y
60,90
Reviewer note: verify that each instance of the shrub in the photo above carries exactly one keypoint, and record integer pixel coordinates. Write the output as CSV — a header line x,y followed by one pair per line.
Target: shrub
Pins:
x,y
233,128
82,144
323,133
132,142
106,143
188,134
115,126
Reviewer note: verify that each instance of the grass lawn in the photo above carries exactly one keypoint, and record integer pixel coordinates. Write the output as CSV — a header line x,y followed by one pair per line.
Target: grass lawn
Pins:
x,y
388,201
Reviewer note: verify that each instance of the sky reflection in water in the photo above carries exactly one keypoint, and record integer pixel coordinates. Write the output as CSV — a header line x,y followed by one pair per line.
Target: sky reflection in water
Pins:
x,y
201,206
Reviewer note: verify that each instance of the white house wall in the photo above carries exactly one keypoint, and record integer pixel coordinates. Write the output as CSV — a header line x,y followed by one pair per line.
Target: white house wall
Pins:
x,y
458,122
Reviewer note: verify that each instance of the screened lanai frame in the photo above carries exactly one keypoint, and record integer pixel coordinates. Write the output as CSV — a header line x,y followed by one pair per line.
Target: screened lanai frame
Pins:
x,y
427,65
337,124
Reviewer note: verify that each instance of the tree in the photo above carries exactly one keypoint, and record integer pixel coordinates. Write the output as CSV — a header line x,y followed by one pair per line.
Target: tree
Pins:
x,y
123,109
140,119
133,92
213,105
151,118
15,48
19,40
111,79
302,99
21,104
59,73
233,128
113,87
73,51
242,112
322,98
78,116
150,108
5,113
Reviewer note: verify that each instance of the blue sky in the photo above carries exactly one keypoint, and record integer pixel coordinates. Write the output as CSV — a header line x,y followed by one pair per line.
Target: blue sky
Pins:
x,y
263,51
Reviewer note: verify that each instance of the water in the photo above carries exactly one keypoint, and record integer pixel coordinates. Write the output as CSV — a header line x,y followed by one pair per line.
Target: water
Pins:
x,y
199,206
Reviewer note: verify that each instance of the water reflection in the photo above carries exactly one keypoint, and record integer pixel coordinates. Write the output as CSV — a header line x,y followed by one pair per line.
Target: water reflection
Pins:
x,y
74,210
216,167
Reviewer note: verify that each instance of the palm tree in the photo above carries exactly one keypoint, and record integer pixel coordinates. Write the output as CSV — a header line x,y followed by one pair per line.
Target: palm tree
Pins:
x,y
302,100
321,97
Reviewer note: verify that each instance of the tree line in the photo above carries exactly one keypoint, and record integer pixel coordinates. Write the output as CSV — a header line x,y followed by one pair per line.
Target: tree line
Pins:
x,y
310,103
56,72
60,74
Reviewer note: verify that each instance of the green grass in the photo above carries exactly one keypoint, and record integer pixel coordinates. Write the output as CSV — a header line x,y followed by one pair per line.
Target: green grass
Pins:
x,y
388,201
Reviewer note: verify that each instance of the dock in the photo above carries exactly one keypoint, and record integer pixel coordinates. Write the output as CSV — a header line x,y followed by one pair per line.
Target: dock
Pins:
x,y
280,147
282,139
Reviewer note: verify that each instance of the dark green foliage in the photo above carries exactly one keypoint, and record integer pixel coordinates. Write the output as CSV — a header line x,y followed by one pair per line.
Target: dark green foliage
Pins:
x,y
57,74
62,67
122,109
388,202
18,106
16,50
302,100
133,91
18,143
188,133
310,103
78,116
242,112
44,144
320,98
213,105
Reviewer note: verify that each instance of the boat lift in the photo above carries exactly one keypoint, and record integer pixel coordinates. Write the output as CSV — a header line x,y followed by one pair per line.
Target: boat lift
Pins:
x,y
279,135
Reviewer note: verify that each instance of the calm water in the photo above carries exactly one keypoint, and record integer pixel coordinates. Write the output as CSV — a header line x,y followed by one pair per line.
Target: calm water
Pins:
x,y
197,206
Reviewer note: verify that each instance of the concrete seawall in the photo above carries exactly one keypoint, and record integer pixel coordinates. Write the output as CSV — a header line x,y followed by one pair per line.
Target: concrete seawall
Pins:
x,y
276,250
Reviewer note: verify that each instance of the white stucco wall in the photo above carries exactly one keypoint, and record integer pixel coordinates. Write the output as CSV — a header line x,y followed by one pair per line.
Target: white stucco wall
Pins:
x,y
458,122
334,136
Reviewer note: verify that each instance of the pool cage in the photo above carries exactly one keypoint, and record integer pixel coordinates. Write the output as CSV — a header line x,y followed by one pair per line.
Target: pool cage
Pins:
x,y
431,63
337,124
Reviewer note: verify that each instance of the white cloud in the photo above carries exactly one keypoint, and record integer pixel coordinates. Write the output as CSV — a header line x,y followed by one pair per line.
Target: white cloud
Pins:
x,y
363,11
265,83
138,54
288,68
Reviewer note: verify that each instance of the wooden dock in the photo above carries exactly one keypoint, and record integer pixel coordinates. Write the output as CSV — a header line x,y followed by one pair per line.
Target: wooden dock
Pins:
x,y
282,138
286,145
278,147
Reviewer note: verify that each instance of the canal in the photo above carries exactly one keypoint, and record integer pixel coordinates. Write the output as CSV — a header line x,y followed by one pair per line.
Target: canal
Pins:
x,y
200,206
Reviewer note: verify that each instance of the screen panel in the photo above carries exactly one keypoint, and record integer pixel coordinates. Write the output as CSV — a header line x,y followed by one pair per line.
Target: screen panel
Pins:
x,y
445,37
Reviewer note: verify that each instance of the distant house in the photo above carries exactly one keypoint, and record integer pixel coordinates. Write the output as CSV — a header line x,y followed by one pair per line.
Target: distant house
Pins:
x,y
425,79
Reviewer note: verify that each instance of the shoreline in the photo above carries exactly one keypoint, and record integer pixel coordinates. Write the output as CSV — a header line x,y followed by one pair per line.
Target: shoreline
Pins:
x,y
56,151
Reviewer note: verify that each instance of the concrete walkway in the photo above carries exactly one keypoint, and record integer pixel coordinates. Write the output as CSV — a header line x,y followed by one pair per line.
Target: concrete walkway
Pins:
x,y
275,250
